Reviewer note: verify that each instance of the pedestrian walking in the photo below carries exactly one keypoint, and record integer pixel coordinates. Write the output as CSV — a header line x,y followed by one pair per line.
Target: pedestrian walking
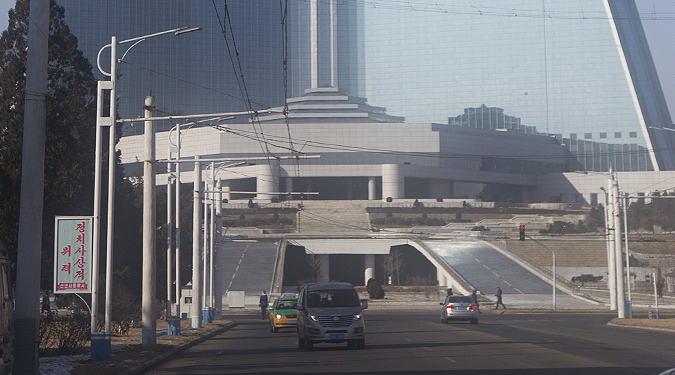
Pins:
x,y
499,299
46,306
475,300
263,305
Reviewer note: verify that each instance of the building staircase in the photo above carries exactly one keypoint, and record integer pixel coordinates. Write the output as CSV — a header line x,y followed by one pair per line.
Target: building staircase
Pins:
x,y
332,217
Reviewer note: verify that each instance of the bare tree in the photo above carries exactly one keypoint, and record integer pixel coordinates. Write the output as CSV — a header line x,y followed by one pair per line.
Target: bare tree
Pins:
x,y
393,264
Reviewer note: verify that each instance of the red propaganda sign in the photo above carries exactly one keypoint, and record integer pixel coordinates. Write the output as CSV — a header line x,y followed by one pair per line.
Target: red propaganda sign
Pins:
x,y
72,254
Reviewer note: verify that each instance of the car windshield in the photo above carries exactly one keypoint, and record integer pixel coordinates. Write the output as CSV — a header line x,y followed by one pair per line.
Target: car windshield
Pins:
x,y
460,299
286,304
333,298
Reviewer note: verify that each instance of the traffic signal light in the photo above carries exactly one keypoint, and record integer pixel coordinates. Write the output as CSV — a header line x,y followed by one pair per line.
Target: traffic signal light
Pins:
x,y
522,232
648,278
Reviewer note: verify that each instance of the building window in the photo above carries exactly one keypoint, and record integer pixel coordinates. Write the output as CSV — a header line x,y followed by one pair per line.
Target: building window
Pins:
x,y
603,135
573,136
617,135
632,134
588,135
188,300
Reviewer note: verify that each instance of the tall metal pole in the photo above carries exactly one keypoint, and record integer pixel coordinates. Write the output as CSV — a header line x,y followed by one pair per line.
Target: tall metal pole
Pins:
x,y
205,248
620,284
32,193
195,309
149,307
629,308
111,198
178,291
218,291
611,260
169,247
212,238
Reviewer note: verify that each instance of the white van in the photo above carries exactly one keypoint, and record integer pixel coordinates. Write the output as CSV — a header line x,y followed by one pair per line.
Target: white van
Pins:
x,y
330,312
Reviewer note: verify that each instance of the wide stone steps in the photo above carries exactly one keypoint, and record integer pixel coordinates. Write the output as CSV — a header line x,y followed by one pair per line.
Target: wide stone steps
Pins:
x,y
332,217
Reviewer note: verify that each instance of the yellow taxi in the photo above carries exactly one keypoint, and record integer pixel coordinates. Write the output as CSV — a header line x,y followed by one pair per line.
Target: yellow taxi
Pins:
x,y
283,313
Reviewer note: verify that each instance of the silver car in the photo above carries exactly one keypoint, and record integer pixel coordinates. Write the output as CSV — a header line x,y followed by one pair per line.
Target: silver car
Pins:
x,y
459,308
330,312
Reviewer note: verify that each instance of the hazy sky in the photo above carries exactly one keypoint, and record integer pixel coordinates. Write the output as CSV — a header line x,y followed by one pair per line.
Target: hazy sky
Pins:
x,y
658,21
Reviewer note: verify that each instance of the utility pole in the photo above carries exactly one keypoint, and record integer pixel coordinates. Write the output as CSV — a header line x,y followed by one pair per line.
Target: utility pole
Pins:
x,y
629,305
32,193
195,310
611,254
169,248
149,319
620,284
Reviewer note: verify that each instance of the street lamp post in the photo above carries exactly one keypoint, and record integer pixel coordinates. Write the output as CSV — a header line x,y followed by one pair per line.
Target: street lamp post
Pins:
x,y
110,121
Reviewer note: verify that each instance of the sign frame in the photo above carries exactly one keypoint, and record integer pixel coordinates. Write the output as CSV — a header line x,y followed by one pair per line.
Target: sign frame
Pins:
x,y
73,254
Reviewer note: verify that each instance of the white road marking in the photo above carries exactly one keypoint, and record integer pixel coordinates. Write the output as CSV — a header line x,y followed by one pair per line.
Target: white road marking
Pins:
x,y
427,349
486,266
450,359
408,340
496,274
507,283
236,269
518,290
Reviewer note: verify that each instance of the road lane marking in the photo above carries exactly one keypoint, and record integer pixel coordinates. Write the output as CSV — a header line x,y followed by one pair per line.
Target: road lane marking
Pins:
x,y
407,339
507,283
450,359
518,290
233,275
486,266
236,269
427,349
496,274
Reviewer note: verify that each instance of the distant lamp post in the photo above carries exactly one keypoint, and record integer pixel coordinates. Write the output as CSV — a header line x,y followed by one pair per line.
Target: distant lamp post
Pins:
x,y
109,121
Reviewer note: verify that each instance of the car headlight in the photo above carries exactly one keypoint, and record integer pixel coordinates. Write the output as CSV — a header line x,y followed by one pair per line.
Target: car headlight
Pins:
x,y
279,316
357,316
314,318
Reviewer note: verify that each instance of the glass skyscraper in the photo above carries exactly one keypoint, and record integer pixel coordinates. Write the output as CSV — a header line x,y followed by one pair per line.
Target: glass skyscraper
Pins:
x,y
579,71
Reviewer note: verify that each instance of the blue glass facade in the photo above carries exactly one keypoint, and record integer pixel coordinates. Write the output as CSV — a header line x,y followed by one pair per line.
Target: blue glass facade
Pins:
x,y
579,71
194,73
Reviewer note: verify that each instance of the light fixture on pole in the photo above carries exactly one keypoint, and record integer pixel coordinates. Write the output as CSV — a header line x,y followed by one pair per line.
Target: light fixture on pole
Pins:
x,y
110,121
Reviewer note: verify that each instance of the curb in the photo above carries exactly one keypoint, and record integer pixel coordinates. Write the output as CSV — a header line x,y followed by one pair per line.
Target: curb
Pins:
x,y
642,327
145,366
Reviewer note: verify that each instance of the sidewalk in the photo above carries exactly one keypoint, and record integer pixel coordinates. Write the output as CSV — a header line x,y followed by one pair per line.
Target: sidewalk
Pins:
x,y
128,357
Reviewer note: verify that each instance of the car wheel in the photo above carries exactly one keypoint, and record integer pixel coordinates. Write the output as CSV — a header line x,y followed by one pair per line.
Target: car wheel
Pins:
x,y
271,328
301,343
351,344
474,321
275,329
360,344
309,345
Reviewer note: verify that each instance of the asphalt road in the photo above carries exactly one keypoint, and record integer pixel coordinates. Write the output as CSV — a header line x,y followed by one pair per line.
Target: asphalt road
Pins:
x,y
415,342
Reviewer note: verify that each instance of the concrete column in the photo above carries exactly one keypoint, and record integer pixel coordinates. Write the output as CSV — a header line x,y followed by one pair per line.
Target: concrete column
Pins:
x,y
372,189
149,300
393,181
440,276
324,267
267,181
314,44
226,190
370,268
